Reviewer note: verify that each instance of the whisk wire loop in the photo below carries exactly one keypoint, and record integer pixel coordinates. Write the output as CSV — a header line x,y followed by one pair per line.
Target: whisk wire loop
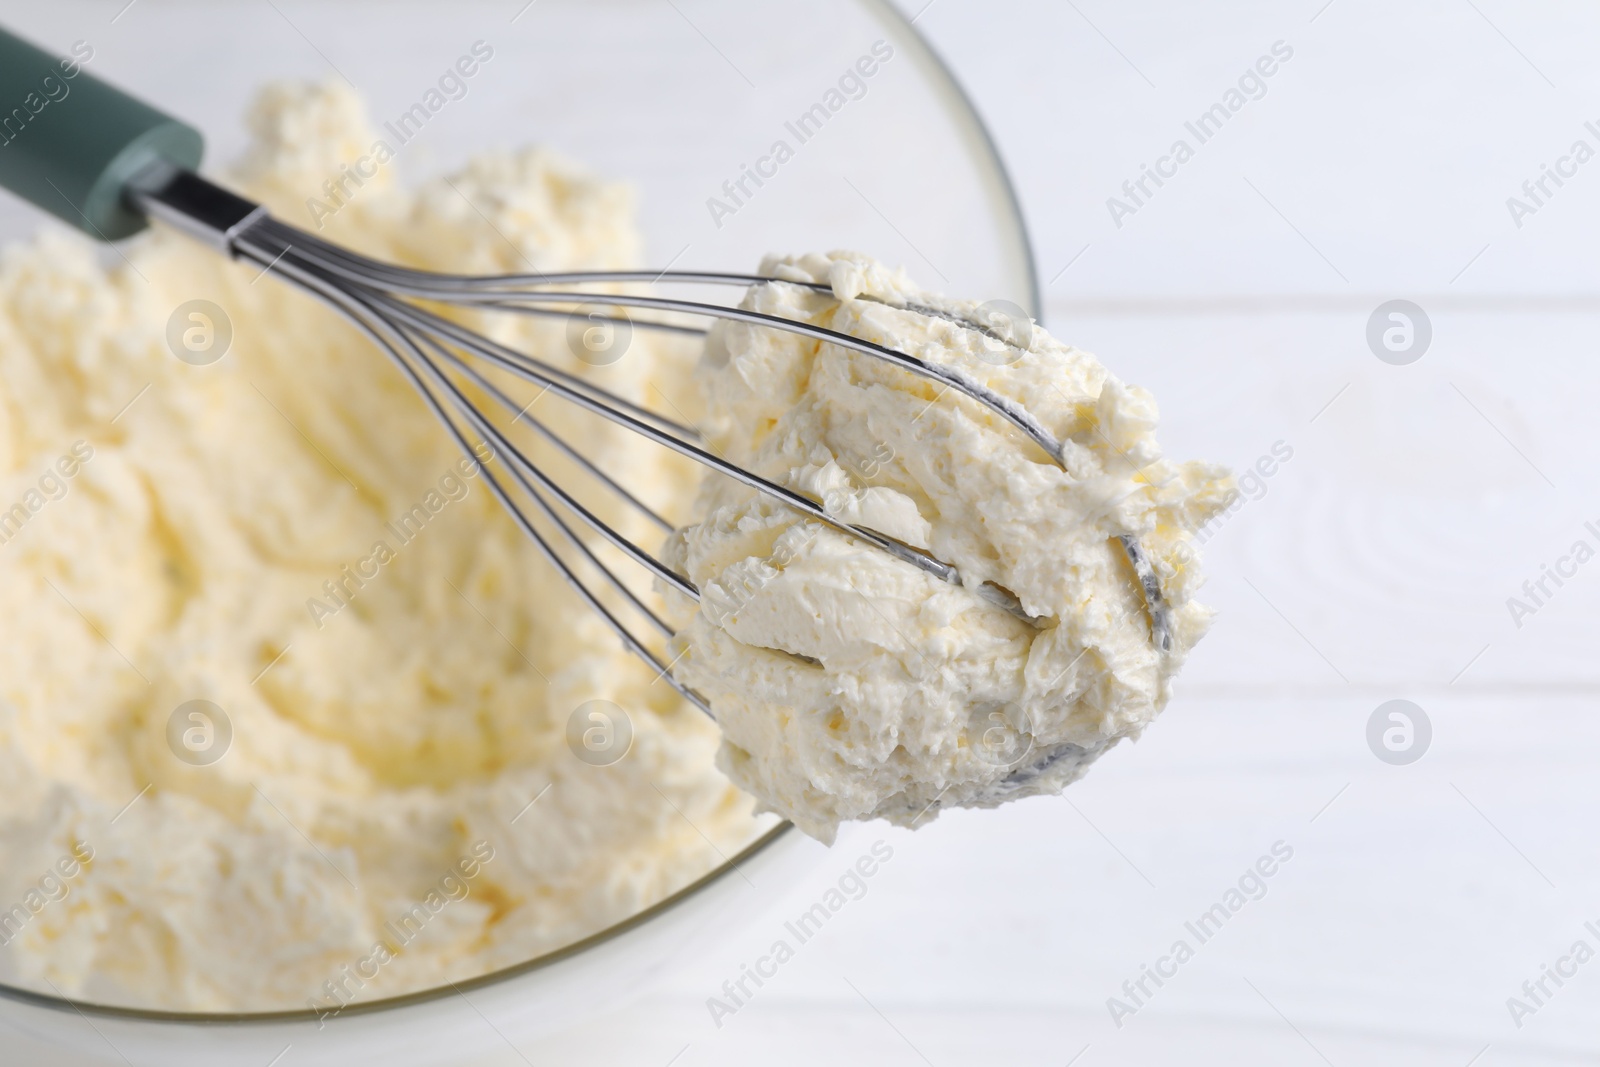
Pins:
x,y
443,358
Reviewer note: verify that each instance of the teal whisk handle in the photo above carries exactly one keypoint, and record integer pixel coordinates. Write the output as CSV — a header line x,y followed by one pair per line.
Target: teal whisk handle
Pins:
x,y
70,143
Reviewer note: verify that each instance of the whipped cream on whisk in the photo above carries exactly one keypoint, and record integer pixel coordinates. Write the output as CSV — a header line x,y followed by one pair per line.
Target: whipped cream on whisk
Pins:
x,y
852,685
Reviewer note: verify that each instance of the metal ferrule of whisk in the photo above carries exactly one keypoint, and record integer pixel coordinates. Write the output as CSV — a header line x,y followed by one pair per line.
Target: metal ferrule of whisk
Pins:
x,y
439,355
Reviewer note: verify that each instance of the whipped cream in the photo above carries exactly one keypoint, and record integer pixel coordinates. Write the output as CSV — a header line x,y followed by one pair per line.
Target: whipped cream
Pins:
x,y
403,747
849,684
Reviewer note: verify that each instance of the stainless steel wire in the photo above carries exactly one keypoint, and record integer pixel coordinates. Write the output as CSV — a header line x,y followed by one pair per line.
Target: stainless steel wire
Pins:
x,y
440,357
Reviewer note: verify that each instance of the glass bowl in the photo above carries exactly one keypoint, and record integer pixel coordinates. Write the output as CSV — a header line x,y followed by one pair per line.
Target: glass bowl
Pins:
x,y
688,102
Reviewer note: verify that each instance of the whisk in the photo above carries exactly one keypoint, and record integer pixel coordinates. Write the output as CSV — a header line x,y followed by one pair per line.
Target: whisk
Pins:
x,y
107,163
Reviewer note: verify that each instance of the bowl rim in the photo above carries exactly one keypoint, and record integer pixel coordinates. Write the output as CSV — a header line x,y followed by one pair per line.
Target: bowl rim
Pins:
x,y
1010,207
420,996
975,127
